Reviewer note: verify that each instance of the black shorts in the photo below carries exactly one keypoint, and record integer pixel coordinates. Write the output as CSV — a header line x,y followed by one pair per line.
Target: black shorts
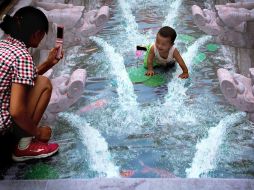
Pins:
x,y
15,132
8,142
170,64
165,68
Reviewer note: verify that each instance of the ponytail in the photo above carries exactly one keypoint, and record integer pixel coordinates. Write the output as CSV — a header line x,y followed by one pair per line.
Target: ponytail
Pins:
x,y
7,24
25,22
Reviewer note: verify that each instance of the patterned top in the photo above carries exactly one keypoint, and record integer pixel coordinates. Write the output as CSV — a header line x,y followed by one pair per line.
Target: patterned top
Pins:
x,y
16,66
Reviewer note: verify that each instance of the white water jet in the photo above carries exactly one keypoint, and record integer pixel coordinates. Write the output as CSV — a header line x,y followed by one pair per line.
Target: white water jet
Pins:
x,y
134,37
99,155
126,96
170,19
205,156
192,51
174,106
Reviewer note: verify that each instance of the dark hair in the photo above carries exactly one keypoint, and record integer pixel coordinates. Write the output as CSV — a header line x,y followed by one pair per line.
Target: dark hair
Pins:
x,y
166,32
25,22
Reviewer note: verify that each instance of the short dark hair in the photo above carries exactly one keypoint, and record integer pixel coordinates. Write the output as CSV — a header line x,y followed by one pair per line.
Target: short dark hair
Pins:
x,y
166,32
24,23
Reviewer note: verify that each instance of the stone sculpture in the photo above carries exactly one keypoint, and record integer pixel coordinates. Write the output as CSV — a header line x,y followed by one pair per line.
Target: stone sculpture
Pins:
x,y
78,24
66,91
238,90
233,24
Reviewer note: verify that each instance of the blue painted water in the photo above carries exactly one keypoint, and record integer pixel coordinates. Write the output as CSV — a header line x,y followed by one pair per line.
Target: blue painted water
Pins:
x,y
184,127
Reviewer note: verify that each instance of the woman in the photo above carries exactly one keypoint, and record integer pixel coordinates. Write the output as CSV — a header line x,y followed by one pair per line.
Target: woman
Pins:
x,y
24,93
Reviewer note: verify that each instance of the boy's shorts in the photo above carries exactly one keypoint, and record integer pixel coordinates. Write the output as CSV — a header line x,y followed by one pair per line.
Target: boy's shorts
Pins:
x,y
170,64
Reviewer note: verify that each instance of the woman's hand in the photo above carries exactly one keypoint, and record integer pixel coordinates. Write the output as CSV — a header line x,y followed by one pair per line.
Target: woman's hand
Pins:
x,y
52,60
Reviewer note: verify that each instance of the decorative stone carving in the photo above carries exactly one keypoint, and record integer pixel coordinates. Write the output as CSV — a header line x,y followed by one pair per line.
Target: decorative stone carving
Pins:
x,y
78,24
231,24
66,91
238,90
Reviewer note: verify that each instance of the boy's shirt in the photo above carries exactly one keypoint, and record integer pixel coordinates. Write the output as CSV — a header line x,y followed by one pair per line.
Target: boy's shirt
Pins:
x,y
161,61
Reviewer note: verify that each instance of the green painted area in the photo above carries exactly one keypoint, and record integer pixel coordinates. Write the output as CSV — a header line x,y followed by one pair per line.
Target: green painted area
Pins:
x,y
185,38
200,57
41,171
212,47
156,80
137,75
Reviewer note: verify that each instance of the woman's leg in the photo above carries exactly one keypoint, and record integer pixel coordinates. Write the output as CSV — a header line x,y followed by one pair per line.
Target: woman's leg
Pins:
x,y
38,98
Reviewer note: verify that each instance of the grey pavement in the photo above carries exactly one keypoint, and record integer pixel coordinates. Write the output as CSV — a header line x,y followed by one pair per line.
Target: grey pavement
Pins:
x,y
129,184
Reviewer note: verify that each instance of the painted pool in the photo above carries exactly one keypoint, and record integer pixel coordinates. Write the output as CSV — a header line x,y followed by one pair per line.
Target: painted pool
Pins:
x,y
183,128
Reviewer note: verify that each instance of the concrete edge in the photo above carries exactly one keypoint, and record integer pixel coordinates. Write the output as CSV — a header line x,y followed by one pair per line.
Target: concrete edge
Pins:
x,y
129,184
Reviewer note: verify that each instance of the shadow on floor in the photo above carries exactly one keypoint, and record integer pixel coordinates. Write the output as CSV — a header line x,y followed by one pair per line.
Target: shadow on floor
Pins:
x,y
7,144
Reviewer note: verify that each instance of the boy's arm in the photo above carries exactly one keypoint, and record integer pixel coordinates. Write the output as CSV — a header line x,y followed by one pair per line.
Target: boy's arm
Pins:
x,y
180,61
150,58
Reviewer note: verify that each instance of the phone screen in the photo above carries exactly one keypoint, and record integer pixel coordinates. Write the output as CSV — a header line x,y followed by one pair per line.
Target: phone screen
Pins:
x,y
59,32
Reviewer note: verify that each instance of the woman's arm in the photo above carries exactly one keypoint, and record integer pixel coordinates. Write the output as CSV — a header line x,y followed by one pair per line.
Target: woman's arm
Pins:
x,y
49,63
182,64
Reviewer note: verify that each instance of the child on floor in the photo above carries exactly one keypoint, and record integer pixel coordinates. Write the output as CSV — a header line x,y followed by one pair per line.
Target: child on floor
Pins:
x,y
164,53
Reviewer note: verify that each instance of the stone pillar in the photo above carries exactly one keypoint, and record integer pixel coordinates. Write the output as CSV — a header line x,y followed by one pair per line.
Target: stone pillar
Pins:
x,y
222,2
245,57
244,60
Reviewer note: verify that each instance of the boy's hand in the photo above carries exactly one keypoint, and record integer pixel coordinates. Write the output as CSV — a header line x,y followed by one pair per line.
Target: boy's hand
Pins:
x,y
184,75
150,73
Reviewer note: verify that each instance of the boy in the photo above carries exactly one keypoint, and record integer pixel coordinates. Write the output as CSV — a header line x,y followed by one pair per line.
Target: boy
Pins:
x,y
163,52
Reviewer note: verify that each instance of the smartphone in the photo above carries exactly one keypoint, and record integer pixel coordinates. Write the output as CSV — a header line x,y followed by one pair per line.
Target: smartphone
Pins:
x,y
59,40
